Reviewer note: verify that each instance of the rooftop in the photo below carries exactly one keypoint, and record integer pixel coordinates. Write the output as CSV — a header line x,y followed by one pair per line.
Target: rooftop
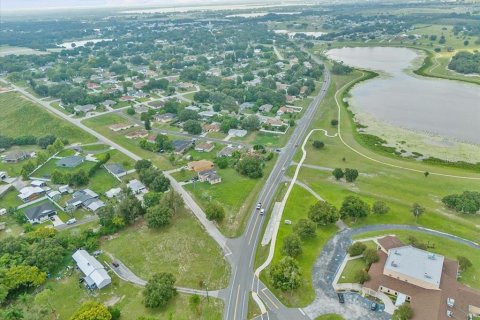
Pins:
x,y
415,263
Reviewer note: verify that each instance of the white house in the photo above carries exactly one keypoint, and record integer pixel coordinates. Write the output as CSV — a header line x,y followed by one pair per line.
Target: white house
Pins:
x,y
95,274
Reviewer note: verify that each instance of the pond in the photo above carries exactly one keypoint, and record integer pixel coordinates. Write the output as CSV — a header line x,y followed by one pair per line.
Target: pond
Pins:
x,y
80,43
439,107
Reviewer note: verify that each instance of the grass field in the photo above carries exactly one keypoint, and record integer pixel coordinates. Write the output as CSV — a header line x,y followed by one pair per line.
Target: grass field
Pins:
x,y
182,248
101,123
351,269
102,181
35,121
297,208
10,199
68,295
236,193
448,248
330,316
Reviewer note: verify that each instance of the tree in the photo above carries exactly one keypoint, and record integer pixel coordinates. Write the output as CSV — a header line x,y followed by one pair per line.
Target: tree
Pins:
x,y
160,183
142,164
323,213
79,178
115,312
172,200
250,166
464,263
159,290
351,175
466,43
131,111
58,145
221,162
417,210
356,249
317,144
192,127
380,207
305,229
362,276
338,173
215,211
292,246
251,123
334,122
148,125
285,274
354,207
92,311
151,199
129,208
45,141
158,216
370,256
404,312
187,114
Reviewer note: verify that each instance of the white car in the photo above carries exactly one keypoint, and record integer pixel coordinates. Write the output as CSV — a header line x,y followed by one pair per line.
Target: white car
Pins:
x,y
262,211
259,205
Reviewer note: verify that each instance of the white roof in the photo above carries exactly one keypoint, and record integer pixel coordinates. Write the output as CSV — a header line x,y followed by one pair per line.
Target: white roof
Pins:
x,y
91,268
94,206
113,192
416,263
28,191
135,185
401,298
37,183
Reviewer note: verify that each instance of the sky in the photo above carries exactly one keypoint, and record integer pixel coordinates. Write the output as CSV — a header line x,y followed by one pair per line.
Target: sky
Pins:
x,y
48,4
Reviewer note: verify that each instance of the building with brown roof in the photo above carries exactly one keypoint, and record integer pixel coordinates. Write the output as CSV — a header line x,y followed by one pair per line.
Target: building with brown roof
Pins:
x,y
426,280
204,147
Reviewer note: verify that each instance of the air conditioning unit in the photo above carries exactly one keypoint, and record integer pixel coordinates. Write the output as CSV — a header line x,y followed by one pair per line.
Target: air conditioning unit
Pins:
x,y
450,302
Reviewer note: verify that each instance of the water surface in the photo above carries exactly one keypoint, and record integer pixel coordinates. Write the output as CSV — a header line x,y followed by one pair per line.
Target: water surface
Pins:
x,y
436,106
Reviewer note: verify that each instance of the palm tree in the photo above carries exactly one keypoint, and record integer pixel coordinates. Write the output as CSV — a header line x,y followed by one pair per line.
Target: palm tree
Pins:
x,y
417,210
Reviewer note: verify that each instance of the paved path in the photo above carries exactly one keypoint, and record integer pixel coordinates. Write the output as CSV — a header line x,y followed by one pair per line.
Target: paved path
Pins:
x,y
329,261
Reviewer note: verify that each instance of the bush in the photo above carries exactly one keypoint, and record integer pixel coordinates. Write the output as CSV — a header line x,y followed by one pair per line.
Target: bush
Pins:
x,y
362,276
215,211
380,207
305,229
356,249
318,144
464,263
334,122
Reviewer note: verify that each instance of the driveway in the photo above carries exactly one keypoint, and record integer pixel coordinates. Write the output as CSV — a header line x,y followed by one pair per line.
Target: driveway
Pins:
x,y
57,222
328,263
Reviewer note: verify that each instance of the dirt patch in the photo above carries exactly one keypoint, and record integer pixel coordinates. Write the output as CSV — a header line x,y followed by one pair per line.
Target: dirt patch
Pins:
x,y
113,300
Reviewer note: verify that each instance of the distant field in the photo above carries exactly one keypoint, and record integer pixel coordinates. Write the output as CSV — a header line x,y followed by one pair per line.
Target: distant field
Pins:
x,y
7,50
23,117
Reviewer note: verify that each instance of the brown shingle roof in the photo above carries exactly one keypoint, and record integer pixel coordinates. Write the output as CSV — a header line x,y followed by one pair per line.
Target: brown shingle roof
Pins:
x,y
390,242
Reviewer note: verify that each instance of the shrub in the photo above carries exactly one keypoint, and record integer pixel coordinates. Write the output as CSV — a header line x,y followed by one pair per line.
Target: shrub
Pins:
x,y
357,249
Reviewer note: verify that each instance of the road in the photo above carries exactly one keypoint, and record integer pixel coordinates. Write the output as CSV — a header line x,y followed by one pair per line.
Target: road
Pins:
x,y
243,281
240,252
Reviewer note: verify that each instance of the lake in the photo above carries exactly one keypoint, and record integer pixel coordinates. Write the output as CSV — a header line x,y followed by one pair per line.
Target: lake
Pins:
x,y
81,43
400,98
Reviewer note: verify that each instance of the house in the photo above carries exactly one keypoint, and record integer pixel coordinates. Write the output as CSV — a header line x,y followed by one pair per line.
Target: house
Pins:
x,y
164,118
180,146
65,189
200,165
92,85
227,151
120,126
192,108
265,108
84,199
17,156
38,183
85,108
139,134
30,193
113,193
204,147
240,133
136,186
127,98
54,195
40,213
206,114
185,85
209,176
425,280
283,110
246,105
141,109
289,98
274,122
70,162
109,103
211,127
303,90
157,104
115,169
95,274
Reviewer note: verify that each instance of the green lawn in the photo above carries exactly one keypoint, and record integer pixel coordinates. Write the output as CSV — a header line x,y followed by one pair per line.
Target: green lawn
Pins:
x,y
10,199
184,175
445,247
351,269
118,157
50,166
216,135
297,208
23,117
236,193
68,295
102,181
95,147
66,153
101,124
183,248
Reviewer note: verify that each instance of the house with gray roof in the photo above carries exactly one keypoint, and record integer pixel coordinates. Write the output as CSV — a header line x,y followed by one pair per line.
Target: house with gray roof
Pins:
x,y
96,277
115,169
180,146
85,108
39,213
84,199
70,162
17,156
